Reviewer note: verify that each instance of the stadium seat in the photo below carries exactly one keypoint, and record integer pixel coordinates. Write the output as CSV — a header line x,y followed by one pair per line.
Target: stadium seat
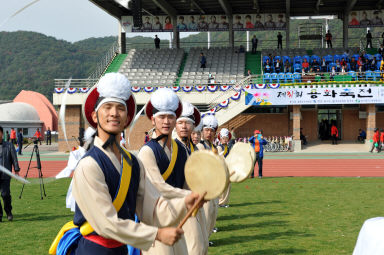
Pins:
x,y
281,78
377,75
378,65
369,76
288,78
307,57
298,60
274,78
285,58
297,68
296,77
330,66
265,59
378,57
353,75
336,57
267,78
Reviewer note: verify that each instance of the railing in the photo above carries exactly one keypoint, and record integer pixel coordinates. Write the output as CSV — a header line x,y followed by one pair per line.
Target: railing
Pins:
x,y
104,62
75,83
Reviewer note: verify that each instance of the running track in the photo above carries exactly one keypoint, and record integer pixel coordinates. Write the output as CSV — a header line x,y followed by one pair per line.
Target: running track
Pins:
x,y
271,167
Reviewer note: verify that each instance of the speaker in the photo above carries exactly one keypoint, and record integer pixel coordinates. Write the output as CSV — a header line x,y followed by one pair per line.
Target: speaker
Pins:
x,y
136,11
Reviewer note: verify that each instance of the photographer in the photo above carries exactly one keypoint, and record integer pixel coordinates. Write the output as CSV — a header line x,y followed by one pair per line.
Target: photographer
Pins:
x,y
8,158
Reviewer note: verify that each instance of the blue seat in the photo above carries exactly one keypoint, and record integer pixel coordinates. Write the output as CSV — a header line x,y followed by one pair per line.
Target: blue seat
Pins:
x,y
296,77
368,56
356,56
297,68
276,58
281,78
378,64
298,60
267,78
285,58
377,76
378,57
353,75
330,67
336,57
265,59
307,57
288,78
369,76
274,78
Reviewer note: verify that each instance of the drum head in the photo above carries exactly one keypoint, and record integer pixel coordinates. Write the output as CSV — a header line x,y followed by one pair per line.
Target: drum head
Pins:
x,y
240,162
206,172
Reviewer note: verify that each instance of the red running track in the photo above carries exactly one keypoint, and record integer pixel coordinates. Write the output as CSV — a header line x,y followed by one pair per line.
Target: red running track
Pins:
x,y
271,167
323,167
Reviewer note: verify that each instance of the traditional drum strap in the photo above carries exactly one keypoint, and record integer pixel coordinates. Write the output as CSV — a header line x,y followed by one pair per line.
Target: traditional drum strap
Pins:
x,y
225,150
192,147
118,201
169,170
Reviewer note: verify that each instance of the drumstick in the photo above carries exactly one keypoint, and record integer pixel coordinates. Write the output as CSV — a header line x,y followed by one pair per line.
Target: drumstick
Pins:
x,y
197,203
232,173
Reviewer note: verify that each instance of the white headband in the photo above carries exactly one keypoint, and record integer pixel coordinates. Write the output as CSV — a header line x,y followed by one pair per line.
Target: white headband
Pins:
x,y
110,99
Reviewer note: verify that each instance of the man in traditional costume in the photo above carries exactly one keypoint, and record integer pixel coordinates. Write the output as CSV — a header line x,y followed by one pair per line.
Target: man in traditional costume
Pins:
x,y
224,137
110,185
164,160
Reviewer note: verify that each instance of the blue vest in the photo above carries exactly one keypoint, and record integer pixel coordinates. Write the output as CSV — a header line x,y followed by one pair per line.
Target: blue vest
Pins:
x,y
228,149
112,179
188,148
177,177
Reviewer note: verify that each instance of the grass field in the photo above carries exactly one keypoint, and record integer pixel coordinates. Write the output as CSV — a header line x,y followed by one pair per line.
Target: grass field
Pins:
x,y
268,216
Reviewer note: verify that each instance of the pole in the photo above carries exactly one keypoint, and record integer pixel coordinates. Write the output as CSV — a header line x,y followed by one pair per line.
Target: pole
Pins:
x,y
247,40
209,39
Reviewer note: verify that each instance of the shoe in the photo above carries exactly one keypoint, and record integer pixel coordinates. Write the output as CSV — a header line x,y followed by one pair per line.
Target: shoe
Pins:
x,y
215,230
210,244
260,177
10,217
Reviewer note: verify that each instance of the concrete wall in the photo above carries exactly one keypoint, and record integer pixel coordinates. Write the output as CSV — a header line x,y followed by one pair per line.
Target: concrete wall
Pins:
x,y
309,124
73,121
351,124
137,136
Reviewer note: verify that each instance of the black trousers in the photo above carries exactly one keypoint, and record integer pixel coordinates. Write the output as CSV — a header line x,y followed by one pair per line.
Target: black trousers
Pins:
x,y
329,44
254,48
334,139
6,195
48,140
259,161
20,145
369,43
279,44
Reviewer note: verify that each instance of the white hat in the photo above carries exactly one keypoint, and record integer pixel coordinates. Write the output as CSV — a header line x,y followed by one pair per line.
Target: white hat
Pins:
x,y
190,113
164,101
112,87
210,121
224,133
88,134
199,127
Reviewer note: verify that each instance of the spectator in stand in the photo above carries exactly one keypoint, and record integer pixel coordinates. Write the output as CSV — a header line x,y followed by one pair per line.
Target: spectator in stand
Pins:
x,y
146,139
241,49
157,42
13,136
334,133
360,65
48,137
367,65
20,141
203,61
353,64
287,67
7,136
338,66
328,38
381,50
381,139
333,73
342,71
257,141
323,65
254,44
315,65
277,66
267,67
373,64
343,62
279,41
362,135
376,140
305,65
369,39
346,53
249,73
38,135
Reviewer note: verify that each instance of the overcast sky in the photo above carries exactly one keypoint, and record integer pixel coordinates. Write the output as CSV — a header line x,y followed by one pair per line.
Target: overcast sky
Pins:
x,y
70,20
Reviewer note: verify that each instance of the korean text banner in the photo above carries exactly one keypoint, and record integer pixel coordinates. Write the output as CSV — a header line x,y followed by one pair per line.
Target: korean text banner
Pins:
x,y
300,96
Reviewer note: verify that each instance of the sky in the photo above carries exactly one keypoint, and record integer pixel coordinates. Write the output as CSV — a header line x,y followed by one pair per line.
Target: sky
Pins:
x,y
70,20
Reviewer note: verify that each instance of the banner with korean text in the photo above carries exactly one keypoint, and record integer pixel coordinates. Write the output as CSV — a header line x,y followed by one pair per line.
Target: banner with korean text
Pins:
x,y
300,96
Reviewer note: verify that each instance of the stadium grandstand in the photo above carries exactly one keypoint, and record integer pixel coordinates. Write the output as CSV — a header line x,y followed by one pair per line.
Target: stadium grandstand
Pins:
x,y
305,85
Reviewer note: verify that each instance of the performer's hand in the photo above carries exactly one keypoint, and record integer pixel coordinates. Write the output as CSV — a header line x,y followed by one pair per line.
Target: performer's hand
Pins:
x,y
169,236
191,199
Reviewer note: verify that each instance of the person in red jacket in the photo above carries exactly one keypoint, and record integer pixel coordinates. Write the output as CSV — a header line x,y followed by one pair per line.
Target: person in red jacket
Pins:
x,y
376,139
38,135
334,134
381,139
13,136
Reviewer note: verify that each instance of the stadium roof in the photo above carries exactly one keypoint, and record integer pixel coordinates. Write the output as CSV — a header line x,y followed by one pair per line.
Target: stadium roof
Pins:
x,y
120,8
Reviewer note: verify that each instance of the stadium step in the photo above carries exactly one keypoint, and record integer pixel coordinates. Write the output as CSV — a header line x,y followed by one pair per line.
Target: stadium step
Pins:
x,y
371,51
253,63
181,70
116,63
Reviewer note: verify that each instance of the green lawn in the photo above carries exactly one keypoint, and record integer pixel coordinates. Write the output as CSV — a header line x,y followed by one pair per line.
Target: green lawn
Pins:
x,y
268,216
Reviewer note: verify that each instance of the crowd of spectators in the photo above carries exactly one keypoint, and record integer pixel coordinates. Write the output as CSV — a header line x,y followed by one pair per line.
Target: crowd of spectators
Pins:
x,y
329,63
